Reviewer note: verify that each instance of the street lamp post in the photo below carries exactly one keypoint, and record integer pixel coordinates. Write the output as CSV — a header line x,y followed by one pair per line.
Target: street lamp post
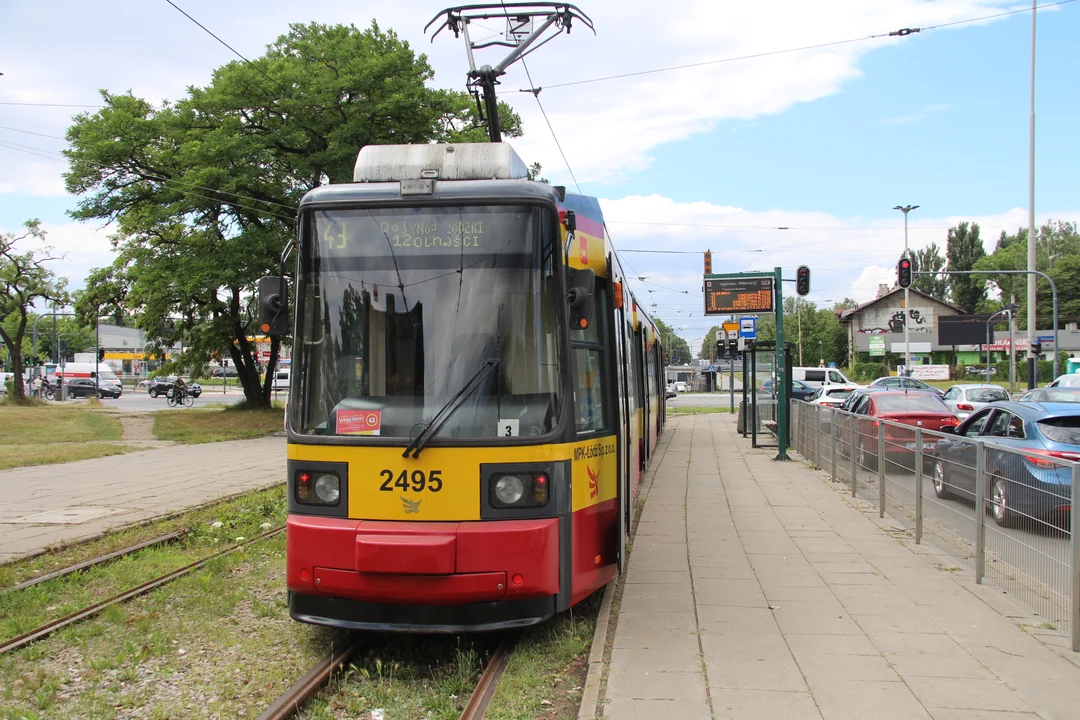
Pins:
x,y
907,296
989,323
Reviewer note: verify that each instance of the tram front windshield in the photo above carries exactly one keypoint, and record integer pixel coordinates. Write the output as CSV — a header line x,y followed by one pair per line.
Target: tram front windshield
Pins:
x,y
401,309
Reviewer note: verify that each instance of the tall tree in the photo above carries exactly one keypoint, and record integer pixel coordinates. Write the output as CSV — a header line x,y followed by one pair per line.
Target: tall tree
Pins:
x,y
677,349
964,249
204,190
24,280
930,259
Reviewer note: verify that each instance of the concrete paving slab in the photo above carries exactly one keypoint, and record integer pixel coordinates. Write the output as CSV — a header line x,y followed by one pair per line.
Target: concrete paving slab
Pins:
x,y
803,604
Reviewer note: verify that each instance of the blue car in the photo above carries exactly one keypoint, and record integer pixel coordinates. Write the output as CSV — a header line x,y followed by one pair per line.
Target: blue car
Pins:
x,y
799,389
1017,486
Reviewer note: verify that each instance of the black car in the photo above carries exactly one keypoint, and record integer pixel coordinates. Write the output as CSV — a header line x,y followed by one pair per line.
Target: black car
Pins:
x,y
163,386
799,389
87,388
224,372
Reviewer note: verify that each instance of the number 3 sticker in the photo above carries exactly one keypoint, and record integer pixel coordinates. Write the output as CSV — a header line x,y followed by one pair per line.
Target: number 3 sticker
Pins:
x,y
509,427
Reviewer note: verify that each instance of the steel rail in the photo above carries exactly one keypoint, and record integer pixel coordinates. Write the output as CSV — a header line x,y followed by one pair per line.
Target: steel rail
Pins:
x,y
171,537
51,627
292,700
489,681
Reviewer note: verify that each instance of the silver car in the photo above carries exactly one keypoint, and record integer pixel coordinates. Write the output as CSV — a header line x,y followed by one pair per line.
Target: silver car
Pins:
x,y
1072,380
963,400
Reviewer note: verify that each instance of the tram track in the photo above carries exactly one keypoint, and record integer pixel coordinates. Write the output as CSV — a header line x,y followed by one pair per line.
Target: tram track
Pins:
x,y
48,628
292,701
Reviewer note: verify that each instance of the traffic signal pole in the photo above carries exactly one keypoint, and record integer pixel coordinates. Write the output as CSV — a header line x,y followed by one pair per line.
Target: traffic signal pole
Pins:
x,y
780,369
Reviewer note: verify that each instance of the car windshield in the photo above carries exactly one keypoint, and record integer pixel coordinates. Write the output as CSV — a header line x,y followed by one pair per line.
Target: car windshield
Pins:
x,y
397,310
840,392
915,402
1061,429
987,394
1069,381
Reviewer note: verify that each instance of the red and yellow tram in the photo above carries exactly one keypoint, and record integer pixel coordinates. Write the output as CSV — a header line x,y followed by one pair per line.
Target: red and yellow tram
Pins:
x,y
475,396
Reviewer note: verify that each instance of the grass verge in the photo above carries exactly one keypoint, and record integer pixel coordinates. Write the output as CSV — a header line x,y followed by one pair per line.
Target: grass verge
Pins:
x,y
231,512
211,425
40,424
697,410
13,456
23,610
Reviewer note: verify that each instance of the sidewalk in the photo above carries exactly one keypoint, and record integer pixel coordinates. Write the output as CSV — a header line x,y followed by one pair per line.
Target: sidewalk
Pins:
x,y
755,590
49,504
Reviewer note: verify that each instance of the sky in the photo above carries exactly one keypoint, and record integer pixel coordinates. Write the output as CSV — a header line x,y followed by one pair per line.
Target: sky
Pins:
x,y
822,130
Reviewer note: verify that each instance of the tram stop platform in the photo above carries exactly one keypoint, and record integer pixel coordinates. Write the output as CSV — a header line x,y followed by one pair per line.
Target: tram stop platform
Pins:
x,y
759,590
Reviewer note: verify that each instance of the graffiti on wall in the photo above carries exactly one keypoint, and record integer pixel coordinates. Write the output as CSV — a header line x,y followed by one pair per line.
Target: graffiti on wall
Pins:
x,y
876,321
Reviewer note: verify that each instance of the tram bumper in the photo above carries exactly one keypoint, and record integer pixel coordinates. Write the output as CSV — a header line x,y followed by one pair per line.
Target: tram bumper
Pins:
x,y
422,576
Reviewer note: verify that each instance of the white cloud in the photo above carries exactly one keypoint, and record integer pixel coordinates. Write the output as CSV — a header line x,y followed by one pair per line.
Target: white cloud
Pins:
x,y
79,247
919,116
607,129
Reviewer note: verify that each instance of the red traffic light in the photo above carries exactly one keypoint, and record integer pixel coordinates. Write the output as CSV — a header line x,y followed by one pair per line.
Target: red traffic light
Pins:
x,y
802,280
903,272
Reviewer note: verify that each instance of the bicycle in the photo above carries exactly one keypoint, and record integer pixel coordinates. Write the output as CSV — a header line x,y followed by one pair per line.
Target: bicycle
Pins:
x,y
177,397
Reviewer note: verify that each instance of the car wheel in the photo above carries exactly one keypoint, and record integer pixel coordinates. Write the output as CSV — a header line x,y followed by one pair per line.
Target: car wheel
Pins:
x,y
1001,507
941,486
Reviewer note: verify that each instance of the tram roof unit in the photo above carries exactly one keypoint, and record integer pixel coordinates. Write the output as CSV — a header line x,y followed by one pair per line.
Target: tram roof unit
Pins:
x,y
447,161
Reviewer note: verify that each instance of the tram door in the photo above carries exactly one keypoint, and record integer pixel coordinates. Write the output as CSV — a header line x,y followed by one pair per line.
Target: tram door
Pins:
x,y
623,501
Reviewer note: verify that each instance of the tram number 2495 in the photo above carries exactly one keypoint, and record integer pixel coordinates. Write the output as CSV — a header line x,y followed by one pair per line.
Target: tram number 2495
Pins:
x,y
417,480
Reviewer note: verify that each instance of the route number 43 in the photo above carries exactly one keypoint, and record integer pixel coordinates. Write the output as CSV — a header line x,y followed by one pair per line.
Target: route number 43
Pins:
x,y
417,481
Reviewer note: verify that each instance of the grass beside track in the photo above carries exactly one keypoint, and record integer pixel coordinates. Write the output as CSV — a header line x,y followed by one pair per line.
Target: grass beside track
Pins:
x,y
212,425
697,410
232,513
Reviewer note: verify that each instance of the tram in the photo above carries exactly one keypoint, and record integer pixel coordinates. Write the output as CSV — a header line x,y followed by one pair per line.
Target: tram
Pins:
x,y
475,395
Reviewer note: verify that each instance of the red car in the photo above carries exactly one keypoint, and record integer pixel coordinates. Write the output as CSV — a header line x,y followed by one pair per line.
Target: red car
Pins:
x,y
918,409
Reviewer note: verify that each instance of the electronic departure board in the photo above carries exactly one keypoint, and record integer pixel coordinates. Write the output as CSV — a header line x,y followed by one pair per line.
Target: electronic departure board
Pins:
x,y
725,296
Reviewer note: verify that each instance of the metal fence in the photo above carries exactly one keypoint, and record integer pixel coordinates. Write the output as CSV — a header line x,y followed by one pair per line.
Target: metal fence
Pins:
x,y
1027,546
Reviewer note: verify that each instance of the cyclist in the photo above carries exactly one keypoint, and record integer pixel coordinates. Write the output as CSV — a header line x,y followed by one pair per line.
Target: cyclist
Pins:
x,y
178,389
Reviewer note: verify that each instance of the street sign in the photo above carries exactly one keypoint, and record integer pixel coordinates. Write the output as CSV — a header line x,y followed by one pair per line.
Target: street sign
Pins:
x,y
730,328
746,294
877,346
748,328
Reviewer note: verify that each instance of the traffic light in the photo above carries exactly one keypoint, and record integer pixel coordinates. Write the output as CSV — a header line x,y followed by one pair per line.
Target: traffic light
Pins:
x,y
100,354
708,262
903,272
719,348
26,361
1036,348
733,346
802,280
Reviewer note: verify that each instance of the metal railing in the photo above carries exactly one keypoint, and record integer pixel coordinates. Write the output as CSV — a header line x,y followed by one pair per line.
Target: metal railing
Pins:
x,y
1028,546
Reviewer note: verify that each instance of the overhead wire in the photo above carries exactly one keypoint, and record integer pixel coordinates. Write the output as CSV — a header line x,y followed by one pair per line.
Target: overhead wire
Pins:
x,y
895,33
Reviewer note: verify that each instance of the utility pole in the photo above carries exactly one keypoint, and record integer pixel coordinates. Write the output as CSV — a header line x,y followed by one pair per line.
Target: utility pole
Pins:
x,y
1031,260
907,295
1012,344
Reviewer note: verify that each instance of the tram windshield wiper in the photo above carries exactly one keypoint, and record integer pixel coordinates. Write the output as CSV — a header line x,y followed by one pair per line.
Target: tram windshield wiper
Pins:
x,y
432,429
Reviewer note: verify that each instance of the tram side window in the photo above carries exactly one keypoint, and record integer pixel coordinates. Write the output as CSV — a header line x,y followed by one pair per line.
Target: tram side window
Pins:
x,y
590,375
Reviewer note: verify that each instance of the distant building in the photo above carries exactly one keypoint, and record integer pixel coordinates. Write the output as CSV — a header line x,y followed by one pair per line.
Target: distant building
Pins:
x,y
885,316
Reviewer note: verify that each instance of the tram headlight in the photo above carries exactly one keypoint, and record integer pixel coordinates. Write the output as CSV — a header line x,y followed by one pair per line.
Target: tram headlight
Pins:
x,y
328,488
509,490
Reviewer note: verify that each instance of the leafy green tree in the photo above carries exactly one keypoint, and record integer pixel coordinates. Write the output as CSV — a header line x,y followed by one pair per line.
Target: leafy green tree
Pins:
x,y
708,345
964,249
930,259
24,280
677,349
204,190
1056,245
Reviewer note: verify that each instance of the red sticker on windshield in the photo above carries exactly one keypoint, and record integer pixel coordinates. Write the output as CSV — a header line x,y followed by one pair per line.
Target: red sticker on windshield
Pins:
x,y
359,422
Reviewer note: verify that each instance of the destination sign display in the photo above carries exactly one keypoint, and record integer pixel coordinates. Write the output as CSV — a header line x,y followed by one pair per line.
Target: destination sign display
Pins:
x,y
726,296
425,231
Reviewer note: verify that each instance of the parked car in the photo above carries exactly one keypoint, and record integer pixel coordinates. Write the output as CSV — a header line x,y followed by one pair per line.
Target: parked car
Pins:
x,y
281,380
818,376
681,387
915,408
670,393
799,389
1065,381
86,388
831,395
224,372
162,386
1017,486
1054,394
904,383
966,399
